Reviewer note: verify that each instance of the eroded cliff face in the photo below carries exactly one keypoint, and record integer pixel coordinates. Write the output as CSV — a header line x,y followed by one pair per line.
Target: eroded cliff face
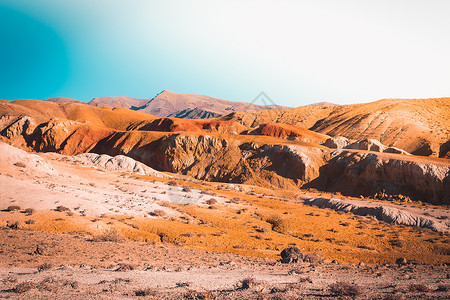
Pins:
x,y
219,159
356,173
225,158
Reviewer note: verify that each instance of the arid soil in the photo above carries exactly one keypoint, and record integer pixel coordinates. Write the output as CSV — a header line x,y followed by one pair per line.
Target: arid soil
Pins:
x,y
45,265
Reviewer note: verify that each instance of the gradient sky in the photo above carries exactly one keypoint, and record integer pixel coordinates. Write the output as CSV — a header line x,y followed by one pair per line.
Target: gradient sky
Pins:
x,y
297,52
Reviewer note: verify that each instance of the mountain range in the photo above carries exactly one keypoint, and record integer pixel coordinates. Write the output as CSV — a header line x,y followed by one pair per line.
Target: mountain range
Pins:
x,y
187,106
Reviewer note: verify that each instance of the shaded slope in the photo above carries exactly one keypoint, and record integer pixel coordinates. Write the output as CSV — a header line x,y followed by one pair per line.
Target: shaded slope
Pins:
x,y
285,131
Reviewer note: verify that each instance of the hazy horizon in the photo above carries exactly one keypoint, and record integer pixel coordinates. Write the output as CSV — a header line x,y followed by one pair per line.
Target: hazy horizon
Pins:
x,y
297,52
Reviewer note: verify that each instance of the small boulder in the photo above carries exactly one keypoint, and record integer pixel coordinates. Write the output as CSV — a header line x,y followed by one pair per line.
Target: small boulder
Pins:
x,y
291,255
43,249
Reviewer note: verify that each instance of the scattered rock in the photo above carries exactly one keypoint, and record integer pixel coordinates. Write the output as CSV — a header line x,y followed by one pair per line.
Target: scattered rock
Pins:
x,y
291,255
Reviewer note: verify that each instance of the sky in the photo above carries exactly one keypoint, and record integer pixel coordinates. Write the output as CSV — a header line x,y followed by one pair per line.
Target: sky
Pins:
x,y
297,52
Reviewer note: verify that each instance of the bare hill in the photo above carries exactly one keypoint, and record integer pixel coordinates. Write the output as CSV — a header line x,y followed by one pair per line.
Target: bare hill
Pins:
x,y
189,106
121,101
418,126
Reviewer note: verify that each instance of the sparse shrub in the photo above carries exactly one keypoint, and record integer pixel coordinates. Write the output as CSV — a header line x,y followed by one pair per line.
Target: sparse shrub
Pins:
x,y
13,208
29,211
207,192
305,279
182,284
20,164
259,236
11,279
263,230
125,267
238,246
197,295
62,208
296,271
418,287
188,234
30,222
109,236
145,292
13,225
345,224
443,287
186,189
368,247
277,222
235,200
158,213
247,283
345,289
44,267
211,201
49,284
396,242
312,258
134,226
172,183
23,287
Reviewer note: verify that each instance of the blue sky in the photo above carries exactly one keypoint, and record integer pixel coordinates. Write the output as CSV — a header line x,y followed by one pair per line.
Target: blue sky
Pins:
x,y
297,52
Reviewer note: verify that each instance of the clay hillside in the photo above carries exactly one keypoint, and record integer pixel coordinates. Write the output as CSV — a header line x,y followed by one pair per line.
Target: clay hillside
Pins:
x,y
188,106
272,154
419,126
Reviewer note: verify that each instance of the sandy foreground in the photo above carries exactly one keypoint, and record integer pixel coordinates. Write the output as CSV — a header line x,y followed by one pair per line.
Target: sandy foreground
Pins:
x,y
76,267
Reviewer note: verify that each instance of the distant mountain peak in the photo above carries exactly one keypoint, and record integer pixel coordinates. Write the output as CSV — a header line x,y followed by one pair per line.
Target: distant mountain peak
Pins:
x,y
167,103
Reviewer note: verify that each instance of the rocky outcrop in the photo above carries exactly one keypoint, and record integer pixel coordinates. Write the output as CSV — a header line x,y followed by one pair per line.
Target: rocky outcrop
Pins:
x,y
444,150
67,137
119,163
12,157
367,144
341,142
355,174
395,150
338,142
224,159
384,213
17,130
